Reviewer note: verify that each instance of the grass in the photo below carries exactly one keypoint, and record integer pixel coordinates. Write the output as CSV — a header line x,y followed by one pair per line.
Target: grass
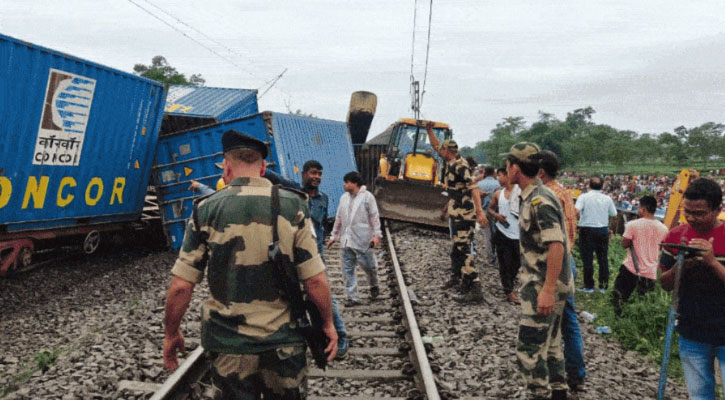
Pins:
x,y
46,358
641,327
42,361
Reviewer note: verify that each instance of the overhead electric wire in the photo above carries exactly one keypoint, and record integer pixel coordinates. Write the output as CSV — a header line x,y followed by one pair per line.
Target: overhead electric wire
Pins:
x,y
412,52
184,33
427,52
271,82
208,38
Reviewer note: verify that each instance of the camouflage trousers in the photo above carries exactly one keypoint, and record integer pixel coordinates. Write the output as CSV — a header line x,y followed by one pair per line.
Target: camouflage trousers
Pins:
x,y
538,349
462,261
274,374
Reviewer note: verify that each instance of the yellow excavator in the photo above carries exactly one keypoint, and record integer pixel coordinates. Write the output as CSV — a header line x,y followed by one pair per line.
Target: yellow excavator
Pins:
x,y
408,186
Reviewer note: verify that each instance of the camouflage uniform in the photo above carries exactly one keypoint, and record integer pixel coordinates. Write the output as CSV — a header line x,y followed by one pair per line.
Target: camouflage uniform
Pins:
x,y
246,325
539,352
462,213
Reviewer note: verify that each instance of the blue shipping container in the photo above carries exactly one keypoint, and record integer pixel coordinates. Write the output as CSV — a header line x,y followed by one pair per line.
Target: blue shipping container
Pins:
x,y
299,139
189,107
292,140
78,139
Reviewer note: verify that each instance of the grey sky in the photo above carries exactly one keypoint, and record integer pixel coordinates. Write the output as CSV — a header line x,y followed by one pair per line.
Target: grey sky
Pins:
x,y
648,66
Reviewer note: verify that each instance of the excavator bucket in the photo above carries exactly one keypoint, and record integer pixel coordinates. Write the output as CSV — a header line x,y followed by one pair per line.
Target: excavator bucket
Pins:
x,y
409,201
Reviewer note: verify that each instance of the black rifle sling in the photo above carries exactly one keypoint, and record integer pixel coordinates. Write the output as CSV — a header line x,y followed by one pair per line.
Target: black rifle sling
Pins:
x,y
275,213
314,336
290,285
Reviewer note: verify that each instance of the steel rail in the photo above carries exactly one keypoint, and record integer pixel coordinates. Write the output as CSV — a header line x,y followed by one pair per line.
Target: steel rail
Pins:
x,y
177,385
190,371
425,373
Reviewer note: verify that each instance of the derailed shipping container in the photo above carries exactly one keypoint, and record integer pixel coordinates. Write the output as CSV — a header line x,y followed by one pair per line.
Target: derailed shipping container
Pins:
x,y
78,141
291,139
189,107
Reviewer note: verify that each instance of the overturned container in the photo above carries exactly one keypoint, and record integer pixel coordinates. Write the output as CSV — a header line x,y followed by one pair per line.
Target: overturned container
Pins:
x,y
77,148
188,107
291,139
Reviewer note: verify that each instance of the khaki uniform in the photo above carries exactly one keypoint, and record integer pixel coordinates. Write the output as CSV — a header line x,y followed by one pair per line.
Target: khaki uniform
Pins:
x,y
539,352
246,324
462,213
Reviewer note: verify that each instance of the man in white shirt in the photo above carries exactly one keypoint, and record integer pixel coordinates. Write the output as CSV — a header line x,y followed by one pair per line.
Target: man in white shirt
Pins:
x,y
504,207
595,209
357,227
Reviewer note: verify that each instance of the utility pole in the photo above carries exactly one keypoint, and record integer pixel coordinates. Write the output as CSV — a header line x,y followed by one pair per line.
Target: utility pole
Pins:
x,y
415,98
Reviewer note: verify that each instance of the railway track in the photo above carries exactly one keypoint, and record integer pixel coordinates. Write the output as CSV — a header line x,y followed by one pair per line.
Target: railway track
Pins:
x,y
387,357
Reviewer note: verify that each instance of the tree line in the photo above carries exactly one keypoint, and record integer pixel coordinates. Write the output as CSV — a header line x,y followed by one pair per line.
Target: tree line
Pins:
x,y
578,141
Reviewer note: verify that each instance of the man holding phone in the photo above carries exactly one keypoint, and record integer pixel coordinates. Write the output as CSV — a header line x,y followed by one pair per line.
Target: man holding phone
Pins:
x,y
701,308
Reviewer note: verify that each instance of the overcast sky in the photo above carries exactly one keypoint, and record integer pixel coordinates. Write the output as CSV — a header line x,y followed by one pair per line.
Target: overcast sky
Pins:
x,y
648,66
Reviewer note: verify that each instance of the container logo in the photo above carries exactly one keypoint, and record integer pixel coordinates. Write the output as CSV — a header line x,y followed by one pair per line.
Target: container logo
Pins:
x,y
175,93
66,109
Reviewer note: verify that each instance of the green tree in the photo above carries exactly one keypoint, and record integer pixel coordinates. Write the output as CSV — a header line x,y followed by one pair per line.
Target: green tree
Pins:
x,y
672,147
646,149
475,152
503,136
704,141
161,71
619,147
578,140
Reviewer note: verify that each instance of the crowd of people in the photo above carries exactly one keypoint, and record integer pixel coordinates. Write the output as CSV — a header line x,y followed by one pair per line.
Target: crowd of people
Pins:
x,y
626,189
702,291
256,222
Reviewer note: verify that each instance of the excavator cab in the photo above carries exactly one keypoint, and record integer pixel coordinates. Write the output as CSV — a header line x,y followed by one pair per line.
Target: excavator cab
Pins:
x,y
408,185
410,155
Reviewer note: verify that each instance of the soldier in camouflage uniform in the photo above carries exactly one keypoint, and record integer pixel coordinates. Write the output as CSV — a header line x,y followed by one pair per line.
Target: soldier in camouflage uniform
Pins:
x,y
246,324
546,279
464,209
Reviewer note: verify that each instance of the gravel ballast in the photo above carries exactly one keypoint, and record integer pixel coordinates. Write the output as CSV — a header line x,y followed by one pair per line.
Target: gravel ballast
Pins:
x,y
101,316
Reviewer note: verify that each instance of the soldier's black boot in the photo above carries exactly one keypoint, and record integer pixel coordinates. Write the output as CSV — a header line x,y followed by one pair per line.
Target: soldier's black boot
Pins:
x,y
452,283
558,395
472,292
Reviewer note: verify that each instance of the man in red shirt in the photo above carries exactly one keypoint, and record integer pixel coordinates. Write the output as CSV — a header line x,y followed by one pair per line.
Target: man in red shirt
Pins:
x,y
701,308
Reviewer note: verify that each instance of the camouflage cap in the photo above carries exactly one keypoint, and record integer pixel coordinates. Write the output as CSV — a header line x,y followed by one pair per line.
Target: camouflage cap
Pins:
x,y
449,144
525,152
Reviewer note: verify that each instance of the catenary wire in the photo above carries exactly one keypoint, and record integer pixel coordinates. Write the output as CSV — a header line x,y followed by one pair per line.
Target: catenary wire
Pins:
x,y
412,51
427,52
185,34
209,48
211,39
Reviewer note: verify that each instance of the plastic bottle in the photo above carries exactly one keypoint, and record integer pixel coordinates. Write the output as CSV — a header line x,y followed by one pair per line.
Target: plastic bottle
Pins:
x,y
605,330
588,316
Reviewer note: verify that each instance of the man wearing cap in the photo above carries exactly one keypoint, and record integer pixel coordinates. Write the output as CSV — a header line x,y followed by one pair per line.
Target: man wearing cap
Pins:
x,y
246,323
545,278
464,209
